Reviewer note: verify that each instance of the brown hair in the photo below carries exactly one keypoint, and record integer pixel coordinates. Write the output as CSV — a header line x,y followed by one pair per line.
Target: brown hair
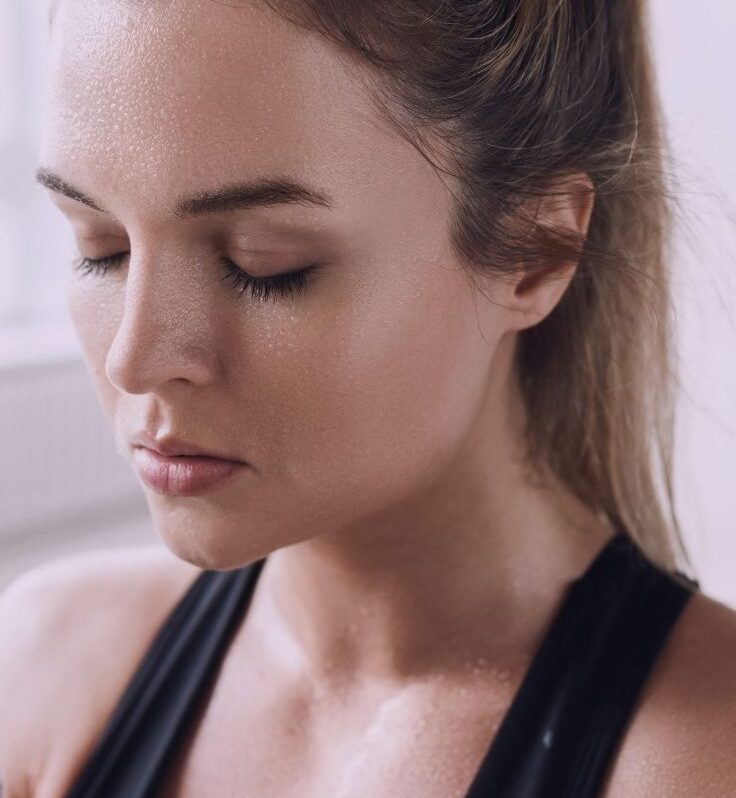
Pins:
x,y
518,93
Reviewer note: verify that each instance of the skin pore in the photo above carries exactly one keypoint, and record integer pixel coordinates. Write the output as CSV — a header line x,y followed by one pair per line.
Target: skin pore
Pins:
x,y
378,408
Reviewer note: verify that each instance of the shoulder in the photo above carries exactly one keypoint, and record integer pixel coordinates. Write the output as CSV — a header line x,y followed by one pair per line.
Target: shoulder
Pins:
x,y
71,632
681,740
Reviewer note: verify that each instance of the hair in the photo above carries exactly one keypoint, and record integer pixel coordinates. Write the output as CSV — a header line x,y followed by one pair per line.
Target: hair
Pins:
x,y
515,95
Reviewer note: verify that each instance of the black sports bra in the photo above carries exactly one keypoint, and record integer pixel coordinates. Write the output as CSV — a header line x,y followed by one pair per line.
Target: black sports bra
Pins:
x,y
556,740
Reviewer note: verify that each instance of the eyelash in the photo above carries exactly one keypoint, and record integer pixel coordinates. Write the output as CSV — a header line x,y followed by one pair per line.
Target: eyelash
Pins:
x,y
261,288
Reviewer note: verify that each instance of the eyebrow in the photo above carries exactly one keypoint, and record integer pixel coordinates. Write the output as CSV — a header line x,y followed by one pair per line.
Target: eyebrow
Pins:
x,y
238,196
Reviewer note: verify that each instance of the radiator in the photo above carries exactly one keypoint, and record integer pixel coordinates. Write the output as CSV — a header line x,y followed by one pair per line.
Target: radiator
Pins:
x,y
58,459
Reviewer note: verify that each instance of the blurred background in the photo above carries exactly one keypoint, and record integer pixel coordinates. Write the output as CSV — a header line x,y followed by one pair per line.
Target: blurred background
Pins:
x,y
64,488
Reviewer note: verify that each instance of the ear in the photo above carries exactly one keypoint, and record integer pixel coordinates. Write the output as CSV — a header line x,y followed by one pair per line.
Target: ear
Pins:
x,y
532,294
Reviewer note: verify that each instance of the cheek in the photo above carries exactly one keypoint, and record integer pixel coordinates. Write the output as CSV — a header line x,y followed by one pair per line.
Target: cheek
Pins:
x,y
93,314
377,402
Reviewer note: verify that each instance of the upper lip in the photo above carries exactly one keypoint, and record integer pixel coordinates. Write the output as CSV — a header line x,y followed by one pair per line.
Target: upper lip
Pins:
x,y
169,446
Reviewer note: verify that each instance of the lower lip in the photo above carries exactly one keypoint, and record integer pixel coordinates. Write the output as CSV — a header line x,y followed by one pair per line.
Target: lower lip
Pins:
x,y
183,475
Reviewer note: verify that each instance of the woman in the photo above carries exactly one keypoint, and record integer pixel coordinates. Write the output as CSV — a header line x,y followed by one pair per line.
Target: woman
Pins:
x,y
375,298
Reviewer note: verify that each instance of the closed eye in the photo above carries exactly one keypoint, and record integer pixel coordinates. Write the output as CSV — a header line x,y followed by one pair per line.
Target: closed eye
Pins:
x,y
281,286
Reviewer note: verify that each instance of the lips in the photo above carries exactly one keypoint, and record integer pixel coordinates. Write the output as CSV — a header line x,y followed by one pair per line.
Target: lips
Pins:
x,y
174,467
184,475
170,446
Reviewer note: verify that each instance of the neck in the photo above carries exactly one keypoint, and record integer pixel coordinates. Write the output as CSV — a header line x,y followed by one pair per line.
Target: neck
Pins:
x,y
468,574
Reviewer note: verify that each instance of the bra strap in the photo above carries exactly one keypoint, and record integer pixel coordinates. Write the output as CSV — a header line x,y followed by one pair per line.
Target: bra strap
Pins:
x,y
144,729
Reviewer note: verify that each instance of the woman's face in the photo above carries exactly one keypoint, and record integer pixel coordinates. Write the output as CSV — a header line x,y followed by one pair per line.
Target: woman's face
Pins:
x,y
349,398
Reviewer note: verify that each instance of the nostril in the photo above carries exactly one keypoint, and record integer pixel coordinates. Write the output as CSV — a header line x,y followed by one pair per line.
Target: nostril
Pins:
x,y
141,361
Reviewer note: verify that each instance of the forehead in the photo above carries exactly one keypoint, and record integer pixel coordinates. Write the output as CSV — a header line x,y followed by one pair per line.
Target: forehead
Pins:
x,y
143,89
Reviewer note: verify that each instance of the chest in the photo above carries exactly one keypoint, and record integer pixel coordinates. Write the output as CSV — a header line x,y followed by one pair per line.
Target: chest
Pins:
x,y
428,740
255,734
259,739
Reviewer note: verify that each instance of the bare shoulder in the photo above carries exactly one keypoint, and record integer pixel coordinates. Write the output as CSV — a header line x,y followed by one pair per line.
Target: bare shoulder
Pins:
x,y
681,740
71,633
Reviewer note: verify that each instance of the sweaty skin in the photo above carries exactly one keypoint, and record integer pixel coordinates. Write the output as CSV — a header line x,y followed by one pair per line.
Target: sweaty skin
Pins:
x,y
378,409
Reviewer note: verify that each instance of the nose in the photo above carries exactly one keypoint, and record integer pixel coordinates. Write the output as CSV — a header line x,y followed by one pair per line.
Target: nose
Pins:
x,y
165,331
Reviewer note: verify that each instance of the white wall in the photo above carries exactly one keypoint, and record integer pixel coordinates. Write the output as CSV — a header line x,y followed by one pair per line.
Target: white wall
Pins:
x,y
696,59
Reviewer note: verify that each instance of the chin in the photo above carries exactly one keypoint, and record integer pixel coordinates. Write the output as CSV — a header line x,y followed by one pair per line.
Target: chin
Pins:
x,y
207,550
